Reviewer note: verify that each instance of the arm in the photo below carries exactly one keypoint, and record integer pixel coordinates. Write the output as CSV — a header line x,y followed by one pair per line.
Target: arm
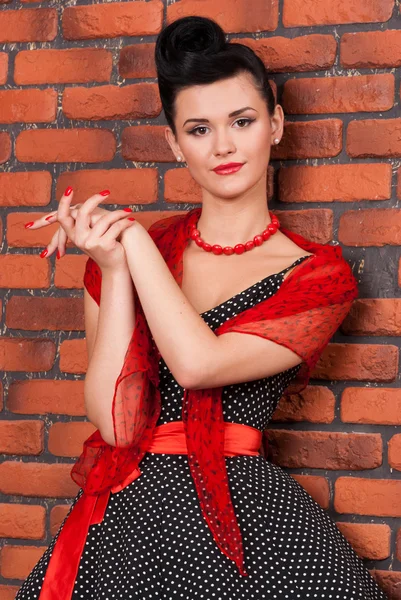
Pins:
x,y
109,328
192,351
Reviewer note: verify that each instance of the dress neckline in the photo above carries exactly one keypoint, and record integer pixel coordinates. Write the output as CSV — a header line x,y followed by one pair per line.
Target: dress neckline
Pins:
x,y
254,284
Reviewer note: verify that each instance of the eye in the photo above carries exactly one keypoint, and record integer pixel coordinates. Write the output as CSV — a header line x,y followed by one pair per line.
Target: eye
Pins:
x,y
243,119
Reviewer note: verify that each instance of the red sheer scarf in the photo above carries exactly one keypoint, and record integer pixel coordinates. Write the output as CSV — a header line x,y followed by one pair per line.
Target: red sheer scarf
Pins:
x,y
302,315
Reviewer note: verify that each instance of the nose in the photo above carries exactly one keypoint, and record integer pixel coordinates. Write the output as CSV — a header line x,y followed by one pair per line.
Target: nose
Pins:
x,y
224,143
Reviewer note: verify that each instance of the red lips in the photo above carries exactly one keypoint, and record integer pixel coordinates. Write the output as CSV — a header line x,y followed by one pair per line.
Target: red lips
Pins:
x,y
227,166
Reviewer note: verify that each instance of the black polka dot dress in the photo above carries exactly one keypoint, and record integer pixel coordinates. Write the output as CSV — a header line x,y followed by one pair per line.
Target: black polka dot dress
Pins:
x,y
154,542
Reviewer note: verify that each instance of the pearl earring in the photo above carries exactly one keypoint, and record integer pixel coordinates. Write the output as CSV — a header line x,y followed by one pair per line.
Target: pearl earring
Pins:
x,y
179,158
276,140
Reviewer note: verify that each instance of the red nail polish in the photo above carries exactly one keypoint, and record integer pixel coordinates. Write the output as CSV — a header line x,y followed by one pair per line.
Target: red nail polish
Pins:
x,y
29,224
127,209
43,254
49,217
58,254
68,191
131,219
105,193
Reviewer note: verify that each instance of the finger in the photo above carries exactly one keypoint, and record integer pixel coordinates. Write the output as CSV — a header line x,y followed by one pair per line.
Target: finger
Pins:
x,y
83,217
50,248
62,242
115,230
105,221
64,216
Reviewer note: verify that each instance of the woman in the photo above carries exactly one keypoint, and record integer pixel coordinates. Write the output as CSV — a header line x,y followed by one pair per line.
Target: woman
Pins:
x,y
175,500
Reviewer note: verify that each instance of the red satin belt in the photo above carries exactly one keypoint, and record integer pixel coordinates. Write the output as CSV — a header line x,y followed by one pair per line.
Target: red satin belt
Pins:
x,y
89,510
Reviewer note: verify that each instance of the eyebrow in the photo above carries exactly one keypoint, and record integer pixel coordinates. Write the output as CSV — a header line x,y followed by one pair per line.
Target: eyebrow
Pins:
x,y
233,114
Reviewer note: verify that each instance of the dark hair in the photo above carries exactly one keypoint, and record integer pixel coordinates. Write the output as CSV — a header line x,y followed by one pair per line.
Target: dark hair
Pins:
x,y
194,51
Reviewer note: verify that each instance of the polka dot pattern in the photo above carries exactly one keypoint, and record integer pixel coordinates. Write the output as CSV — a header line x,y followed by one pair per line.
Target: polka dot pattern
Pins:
x,y
154,543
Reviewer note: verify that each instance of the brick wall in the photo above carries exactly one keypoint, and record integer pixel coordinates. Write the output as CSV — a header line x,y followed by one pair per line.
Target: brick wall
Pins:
x,y
79,106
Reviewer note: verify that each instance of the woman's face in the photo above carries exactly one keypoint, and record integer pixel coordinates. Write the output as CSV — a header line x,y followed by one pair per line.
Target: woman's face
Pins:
x,y
207,136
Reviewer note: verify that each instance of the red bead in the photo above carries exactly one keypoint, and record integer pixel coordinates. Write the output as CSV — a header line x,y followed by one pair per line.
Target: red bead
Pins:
x,y
258,240
266,234
239,249
272,228
216,249
249,245
195,233
199,241
207,247
228,250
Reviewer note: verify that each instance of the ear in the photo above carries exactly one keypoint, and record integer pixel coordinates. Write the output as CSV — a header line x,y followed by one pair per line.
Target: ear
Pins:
x,y
169,135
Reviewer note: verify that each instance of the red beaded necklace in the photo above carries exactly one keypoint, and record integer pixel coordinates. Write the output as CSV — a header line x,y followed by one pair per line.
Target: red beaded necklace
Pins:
x,y
239,248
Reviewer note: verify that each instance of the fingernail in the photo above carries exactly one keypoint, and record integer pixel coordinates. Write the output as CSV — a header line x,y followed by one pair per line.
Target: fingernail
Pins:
x,y
131,219
29,224
43,254
105,193
68,191
49,217
58,254
127,209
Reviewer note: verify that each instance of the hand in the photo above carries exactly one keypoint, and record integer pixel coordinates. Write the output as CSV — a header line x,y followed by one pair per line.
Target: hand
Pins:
x,y
94,230
59,239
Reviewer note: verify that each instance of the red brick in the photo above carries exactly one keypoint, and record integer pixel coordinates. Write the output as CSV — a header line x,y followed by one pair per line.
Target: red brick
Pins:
x,y
21,237
381,406
329,183
389,581
21,437
73,356
8,592
394,452
28,106
28,25
374,137
27,354
5,147
69,271
53,314
73,65
37,479
316,224
370,227
324,450
24,271
370,541
3,67
146,143
360,93
374,316
316,486
298,13
111,102
31,188
47,396
362,362
127,186
18,561
313,52
65,145
246,16
315,404
313,139
364,496
57,516
112,20
66,439
371,49
25,521
137,61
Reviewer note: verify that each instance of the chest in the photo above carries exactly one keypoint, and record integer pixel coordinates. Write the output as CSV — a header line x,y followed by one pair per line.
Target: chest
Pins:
x,y
210,280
